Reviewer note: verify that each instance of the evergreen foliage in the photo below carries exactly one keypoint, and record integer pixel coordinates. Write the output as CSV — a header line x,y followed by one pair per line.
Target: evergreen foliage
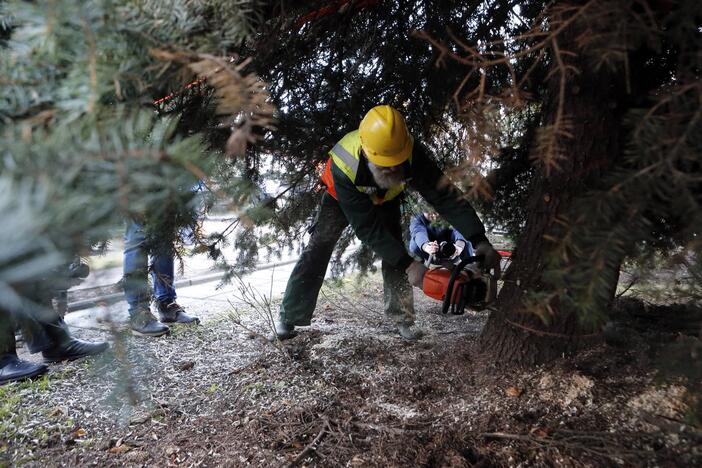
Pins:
x,y
474,80
326,72
83,146
485,83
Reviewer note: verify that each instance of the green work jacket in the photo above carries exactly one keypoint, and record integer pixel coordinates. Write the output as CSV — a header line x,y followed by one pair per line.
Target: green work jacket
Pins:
x,y
358,195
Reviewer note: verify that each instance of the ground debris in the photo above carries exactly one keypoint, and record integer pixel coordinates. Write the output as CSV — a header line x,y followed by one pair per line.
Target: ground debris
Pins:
x,y
350,392
185,365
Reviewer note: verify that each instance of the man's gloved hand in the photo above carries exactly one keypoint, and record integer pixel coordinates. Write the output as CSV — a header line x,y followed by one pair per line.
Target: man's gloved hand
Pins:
x,y
492,258
459,246
415,274
430,247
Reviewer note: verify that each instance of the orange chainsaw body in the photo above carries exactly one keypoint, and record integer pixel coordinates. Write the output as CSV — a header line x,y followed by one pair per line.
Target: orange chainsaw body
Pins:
x,y
436,284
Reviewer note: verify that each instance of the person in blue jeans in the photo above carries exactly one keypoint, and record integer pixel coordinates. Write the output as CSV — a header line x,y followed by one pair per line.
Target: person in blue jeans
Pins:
x,y
136,288
426,238
136,267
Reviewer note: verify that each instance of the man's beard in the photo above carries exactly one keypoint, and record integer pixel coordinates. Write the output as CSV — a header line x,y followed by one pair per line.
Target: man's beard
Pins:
x,y
387,177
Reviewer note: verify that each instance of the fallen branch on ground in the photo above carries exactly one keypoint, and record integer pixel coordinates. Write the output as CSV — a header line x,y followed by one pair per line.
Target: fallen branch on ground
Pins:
x,y
605,448
312,446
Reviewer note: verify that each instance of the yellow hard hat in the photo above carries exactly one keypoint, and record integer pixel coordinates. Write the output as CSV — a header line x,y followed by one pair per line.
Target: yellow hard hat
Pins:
x,y
384,137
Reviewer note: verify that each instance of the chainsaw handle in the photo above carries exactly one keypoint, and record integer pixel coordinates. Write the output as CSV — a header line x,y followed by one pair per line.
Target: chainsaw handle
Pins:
x,y
452,280
457,309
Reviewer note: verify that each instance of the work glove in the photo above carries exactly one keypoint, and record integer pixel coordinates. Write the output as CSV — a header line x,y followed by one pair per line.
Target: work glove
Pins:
x,y
491,260
415,274
459,246
430,247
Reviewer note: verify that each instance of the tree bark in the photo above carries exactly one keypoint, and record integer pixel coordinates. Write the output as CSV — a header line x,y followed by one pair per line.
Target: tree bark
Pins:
x,y
592,105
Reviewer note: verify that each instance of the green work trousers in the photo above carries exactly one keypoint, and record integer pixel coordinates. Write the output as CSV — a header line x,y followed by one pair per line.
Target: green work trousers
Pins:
x,y
307,277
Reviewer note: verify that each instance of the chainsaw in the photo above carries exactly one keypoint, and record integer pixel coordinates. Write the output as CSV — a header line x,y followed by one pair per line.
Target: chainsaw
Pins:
x,y
458,283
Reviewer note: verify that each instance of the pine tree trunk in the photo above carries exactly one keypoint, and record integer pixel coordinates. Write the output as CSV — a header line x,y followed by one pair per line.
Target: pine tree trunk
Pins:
x,y
591,103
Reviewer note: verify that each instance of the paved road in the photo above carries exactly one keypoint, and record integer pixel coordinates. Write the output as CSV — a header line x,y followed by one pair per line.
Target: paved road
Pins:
x,y
198,286
203,300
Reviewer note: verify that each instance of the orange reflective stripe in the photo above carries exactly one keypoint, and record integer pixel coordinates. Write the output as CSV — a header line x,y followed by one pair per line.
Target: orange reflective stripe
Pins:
x,y
328,179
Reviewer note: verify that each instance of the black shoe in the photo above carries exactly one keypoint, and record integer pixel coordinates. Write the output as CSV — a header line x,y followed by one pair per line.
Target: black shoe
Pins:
x,y
73,349
283,331
143,323
13,368
174,313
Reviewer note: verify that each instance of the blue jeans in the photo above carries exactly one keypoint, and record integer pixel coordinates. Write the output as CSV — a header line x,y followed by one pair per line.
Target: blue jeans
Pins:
x,y
136,256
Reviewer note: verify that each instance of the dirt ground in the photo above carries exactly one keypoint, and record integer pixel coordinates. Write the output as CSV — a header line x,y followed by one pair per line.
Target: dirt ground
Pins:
x,y
347,391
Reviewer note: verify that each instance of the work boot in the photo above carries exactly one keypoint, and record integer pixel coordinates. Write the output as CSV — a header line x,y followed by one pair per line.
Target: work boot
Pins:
x,y
283,331
171,312
73,348
143,323
409,331
65,347
13,368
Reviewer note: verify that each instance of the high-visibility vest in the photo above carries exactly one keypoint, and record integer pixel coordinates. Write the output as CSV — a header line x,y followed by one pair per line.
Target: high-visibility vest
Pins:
x,y
346,155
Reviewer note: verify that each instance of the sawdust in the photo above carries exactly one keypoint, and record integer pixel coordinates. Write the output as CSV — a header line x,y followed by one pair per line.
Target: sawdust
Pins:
x,y
667,401
566,390
401,412
365,395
